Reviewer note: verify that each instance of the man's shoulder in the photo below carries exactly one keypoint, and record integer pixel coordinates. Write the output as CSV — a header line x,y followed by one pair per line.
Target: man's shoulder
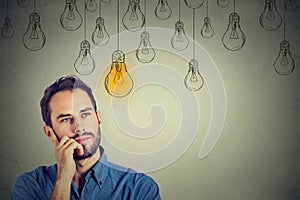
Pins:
x,y
39,174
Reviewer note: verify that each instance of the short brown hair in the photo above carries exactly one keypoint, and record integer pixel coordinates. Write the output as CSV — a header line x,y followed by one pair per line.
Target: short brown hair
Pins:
x,y
62,84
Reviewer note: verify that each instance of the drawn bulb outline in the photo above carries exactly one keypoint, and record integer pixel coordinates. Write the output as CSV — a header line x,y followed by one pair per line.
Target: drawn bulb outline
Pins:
x,y
270,18
179,40
206,30
91,5
223,3
284,64
23,3
100,36
71,19
133,19
7,30
34,38
145,53
234,38
193,80
162,10
85,63
118,82
194,4
290,5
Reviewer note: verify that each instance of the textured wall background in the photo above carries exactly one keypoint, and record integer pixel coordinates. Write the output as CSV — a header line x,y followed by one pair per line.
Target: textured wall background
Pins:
x,y
257,154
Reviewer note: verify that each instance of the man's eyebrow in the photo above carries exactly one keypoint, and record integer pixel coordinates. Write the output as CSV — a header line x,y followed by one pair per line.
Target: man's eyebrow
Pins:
x,y
86,109
63,115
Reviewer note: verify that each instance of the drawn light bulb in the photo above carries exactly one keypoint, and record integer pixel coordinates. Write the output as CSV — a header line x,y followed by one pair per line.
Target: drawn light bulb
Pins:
x,y
34,38
71,19
133,19
7,30
179,40
145,53
206,30
100,37
85,63
162,10
91,5
290,5
23,3
193,80
194,3
118,82
270,18
234,38
284,64
223,3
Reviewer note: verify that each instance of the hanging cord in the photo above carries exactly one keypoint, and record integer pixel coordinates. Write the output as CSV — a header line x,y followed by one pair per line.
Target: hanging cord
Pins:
x,y
34,5
283,22
6,8
193,33
99,8
84,31
179,16
118,24
233,5
145,14
206,8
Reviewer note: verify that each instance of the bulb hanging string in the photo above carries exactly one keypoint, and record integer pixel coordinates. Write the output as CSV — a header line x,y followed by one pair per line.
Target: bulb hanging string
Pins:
x,y
6,8
206,8
99,8
193,33
145,13
34,5
283,22
84,28
118,24
233,5
179,17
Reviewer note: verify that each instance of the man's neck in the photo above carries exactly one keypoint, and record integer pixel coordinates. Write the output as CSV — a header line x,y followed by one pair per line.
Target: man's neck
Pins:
x,y
82,168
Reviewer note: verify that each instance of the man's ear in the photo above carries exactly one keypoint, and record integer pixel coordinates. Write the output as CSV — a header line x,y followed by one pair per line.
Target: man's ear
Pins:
x,y
49,132
99,117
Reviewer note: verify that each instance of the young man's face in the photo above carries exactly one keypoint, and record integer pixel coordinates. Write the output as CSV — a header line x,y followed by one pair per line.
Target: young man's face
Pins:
x,y
72,114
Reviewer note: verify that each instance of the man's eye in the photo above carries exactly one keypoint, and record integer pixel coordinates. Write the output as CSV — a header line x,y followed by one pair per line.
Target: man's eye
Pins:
x,y
85,115
66,120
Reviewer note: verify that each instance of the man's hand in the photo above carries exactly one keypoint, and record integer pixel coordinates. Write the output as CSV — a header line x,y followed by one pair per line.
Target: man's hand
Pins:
x,y
66,166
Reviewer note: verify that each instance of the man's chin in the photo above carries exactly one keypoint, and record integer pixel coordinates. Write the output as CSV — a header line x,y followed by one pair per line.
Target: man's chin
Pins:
x,y
82,157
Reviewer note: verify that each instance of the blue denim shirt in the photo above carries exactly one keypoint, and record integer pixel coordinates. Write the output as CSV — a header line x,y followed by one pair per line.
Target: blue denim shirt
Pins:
x,y
104,181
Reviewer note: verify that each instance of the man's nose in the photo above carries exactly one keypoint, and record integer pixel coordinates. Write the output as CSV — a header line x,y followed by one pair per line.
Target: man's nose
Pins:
x,y
78,126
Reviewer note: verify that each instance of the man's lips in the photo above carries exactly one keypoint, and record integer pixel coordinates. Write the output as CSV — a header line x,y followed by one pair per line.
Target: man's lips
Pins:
x,y
83,139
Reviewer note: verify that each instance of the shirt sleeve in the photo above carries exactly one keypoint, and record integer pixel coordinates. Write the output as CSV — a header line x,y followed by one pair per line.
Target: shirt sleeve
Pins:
x,y
27,188
146,189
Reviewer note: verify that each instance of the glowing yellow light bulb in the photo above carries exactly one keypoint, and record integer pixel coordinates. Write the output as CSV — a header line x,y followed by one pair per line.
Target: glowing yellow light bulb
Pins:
x,y
118,82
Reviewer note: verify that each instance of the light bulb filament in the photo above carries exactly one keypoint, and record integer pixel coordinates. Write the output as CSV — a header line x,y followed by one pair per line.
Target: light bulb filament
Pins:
x,y
71,15
133,15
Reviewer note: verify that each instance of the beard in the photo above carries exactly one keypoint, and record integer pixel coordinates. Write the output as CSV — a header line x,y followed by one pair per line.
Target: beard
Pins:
x,y
88,150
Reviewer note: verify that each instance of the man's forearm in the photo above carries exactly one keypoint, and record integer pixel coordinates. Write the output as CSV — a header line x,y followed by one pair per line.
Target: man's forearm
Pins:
x,y
61,190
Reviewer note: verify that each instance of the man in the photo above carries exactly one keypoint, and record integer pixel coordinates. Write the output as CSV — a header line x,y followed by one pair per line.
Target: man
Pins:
x,y
82,171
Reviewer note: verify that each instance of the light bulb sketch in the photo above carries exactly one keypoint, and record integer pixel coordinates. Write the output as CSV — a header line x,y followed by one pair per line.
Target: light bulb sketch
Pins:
x,y
85,63
194,3
34,38
223,3
70,19
23,3
179,40
234,38
145,53
162,10
118,82
7,30
91,5
193,80
284,64
100,36
206,30
290,5
133,19
270,18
